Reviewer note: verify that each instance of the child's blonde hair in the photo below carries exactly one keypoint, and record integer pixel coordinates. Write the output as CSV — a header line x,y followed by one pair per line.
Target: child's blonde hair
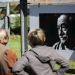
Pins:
x,y
36,37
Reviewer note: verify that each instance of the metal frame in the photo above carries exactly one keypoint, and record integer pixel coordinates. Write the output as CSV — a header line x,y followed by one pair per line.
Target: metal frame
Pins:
x,y
4,5
24,29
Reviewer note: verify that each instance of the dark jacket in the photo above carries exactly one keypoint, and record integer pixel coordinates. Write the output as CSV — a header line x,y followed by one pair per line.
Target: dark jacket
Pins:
x,y
40,61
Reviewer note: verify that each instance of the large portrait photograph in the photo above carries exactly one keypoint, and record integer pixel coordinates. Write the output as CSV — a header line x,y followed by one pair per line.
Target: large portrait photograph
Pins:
x,y
59,29
60,34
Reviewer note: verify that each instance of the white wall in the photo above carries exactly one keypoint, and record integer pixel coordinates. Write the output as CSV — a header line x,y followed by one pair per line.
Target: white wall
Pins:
x,y
35,10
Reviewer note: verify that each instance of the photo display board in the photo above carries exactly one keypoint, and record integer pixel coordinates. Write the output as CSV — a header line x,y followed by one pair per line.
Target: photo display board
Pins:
x,y
45,17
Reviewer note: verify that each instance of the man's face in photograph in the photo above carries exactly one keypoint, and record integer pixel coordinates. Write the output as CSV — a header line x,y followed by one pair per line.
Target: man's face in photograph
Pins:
x,y
62,28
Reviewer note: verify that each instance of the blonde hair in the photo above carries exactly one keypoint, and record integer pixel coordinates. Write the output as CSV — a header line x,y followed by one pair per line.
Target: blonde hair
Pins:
x,y
36,37
3,36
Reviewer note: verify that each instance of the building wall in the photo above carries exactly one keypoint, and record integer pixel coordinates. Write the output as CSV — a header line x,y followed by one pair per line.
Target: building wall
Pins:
x,y
51,1
35,10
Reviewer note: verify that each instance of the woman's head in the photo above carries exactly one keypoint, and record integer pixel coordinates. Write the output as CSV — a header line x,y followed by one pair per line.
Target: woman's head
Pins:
x,y
36,37
3,36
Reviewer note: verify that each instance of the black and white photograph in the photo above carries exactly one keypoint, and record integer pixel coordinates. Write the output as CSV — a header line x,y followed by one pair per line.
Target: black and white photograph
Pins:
x,y
59,29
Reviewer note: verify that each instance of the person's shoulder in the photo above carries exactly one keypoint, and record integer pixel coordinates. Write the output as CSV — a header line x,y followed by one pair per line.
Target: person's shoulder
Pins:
x,y
11,55
10,52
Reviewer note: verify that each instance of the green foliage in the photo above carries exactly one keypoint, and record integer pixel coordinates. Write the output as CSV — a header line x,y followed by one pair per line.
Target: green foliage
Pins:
x,y
16,22
15,44
15,27
13,9
2,13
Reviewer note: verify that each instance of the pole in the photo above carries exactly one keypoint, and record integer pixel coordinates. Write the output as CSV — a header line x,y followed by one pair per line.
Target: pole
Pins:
x,y
24,29
7,17
6,20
